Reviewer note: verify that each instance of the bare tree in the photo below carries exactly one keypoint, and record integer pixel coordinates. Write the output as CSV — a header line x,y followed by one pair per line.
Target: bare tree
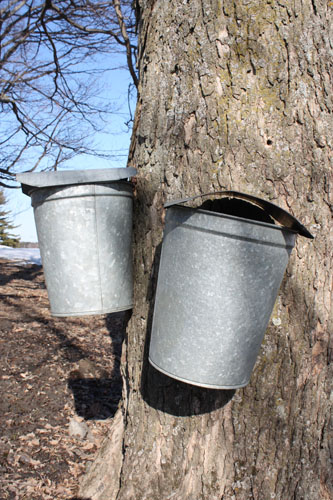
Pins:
x,y
50,54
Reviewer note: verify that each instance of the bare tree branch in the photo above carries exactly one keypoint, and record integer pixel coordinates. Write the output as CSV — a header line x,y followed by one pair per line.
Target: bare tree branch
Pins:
x,y
125,36
49,101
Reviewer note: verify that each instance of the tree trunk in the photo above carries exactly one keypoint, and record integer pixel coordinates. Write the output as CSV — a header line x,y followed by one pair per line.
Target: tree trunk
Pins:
x,y
232,95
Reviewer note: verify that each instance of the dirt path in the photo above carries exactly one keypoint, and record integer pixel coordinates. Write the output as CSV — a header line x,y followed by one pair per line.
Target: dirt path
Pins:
x,y
56,375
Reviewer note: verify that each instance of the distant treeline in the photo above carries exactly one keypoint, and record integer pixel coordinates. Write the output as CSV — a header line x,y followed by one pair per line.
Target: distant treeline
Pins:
x,y
28,244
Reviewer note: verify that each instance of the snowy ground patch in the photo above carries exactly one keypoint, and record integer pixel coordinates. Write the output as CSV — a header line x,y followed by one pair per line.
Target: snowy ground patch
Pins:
x,y
21,256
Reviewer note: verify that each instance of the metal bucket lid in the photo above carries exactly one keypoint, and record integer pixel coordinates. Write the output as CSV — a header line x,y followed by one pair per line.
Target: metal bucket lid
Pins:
x,y
281,216
33,180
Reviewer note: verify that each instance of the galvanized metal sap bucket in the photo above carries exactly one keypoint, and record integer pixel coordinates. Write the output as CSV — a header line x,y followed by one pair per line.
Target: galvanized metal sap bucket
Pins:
x,y
218,280
84,227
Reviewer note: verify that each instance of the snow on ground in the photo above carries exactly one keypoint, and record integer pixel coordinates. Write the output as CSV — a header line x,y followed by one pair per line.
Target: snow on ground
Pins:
x,y
21,256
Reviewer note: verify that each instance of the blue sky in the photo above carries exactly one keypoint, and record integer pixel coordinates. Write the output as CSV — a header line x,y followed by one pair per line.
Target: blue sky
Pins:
x,y
116,139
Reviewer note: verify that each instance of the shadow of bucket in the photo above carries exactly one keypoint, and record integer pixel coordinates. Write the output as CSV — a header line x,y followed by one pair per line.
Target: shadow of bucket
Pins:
x,y
218,281
84,227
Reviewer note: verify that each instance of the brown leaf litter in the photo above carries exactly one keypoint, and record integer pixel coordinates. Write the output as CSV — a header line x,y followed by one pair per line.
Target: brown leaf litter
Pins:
x,y
54,372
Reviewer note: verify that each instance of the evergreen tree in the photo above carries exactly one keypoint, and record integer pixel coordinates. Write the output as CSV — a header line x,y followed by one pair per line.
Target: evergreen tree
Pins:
x,y
6,238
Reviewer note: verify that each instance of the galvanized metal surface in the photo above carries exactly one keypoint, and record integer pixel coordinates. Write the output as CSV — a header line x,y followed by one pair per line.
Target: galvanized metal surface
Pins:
x,y
31,180
218,280
84,233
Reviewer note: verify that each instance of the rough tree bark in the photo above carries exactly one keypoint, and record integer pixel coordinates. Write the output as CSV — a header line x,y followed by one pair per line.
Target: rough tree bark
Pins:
x,y
233,95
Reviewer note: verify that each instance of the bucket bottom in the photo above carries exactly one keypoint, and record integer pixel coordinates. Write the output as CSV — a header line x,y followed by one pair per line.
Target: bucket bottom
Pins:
x,y
91,313
194,382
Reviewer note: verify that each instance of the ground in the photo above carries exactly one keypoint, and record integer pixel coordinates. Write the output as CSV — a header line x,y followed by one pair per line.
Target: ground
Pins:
x,y
55,373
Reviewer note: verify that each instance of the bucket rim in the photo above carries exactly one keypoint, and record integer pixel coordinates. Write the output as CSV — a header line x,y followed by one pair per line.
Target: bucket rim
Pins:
x,y
237,218
34,190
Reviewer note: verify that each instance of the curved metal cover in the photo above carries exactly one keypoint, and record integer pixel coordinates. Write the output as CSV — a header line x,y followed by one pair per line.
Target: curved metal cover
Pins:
x,y
282,216
33,180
